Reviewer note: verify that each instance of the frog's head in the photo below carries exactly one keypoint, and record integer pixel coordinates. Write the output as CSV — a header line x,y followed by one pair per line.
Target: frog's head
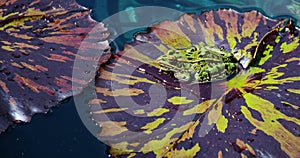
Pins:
x,y
195,51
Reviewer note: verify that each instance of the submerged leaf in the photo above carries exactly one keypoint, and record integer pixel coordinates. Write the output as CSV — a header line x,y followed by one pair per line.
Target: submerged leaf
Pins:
x,y
38,43
254,113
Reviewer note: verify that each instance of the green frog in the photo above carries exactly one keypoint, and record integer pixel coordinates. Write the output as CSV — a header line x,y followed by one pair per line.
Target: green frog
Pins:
x,y
199,63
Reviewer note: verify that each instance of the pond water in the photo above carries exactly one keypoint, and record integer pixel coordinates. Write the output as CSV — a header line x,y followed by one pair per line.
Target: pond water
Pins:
x,y
61,133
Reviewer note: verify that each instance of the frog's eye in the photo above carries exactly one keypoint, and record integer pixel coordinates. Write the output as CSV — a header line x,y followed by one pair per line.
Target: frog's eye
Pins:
x,y
171,52
193,49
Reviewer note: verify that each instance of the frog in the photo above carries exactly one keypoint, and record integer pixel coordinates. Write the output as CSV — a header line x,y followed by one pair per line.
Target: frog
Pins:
x,y
199,63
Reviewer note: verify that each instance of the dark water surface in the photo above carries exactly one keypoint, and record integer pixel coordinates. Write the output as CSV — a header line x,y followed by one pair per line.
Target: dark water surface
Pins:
x,y
60,133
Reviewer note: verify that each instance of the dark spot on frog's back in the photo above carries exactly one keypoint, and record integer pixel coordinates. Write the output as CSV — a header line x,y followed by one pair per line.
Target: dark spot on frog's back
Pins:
x,y
199,53
190,58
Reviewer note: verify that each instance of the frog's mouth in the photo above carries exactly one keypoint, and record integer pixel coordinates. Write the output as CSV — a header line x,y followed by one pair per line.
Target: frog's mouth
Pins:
x,y
167,67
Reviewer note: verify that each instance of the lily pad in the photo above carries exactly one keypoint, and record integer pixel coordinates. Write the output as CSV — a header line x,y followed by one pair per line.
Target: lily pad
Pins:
x,y
39,43
143,111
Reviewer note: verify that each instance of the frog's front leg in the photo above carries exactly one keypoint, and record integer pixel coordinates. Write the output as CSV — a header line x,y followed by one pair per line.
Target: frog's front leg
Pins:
x,y
202,76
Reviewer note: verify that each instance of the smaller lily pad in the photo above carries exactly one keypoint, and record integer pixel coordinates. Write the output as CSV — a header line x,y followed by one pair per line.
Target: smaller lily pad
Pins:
x,y
39,43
